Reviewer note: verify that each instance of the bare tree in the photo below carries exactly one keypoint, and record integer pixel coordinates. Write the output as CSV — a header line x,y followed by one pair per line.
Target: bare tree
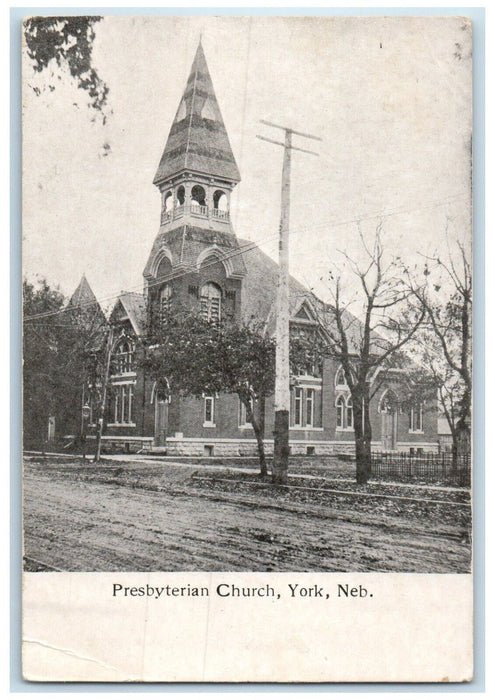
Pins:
x,y
368,345
445,343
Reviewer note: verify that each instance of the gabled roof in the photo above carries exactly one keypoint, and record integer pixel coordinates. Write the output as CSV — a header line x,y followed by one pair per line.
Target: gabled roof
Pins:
x,y
198,140
133,306
259,297
260,284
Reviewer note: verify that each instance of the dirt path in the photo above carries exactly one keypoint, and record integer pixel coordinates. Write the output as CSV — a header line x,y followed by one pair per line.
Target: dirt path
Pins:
x,y
88,521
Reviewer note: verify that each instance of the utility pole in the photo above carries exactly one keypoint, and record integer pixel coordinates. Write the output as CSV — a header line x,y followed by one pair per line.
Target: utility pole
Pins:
x,y
282,367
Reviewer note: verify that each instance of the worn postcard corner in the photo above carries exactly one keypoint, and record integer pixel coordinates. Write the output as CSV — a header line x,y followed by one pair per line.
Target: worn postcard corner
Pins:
x,y
247,344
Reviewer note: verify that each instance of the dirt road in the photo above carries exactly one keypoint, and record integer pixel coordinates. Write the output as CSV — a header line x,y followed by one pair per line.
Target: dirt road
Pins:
x,y
149,518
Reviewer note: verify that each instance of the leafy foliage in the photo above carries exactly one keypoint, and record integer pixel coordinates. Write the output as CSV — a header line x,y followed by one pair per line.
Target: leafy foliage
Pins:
x,y
198,357
59,350
67,41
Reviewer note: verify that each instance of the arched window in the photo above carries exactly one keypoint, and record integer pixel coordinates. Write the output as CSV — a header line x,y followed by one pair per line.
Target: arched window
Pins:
x,y
340,405
344,412
165,301
211,302
340,377
123,357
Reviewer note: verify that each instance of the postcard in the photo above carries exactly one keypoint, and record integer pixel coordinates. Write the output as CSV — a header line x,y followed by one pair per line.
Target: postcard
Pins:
x,y
247,347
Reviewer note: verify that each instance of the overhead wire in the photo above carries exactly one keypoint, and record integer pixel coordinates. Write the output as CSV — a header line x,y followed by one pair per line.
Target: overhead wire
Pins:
x,y
246,248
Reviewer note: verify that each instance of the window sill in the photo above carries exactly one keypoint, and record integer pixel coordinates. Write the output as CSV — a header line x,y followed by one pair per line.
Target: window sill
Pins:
x,y
305,427
344,430
209,425
416,432
123,375
245,426
121,425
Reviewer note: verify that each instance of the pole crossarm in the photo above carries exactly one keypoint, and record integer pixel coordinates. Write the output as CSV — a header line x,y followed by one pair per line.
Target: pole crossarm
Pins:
x,y
293,148
293,131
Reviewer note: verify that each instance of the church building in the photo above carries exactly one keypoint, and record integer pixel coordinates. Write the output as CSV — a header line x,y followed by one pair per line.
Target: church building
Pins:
x,y
198,262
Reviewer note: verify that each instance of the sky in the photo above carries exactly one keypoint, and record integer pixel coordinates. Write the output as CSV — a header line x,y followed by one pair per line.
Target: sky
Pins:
x,y
389,97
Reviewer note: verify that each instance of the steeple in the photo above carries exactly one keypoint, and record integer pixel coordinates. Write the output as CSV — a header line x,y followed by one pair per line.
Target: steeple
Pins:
x,y
196,176
198,141
87,306
83,295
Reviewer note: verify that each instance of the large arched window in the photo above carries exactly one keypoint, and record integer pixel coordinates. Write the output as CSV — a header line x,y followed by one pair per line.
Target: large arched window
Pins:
x,y
211,302
123,357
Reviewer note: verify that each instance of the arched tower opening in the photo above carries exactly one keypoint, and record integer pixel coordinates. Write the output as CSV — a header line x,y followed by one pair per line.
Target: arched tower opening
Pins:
x,y
181,195
198,198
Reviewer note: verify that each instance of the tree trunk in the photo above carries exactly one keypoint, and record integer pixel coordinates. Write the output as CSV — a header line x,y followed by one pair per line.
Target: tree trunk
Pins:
x,y
362,442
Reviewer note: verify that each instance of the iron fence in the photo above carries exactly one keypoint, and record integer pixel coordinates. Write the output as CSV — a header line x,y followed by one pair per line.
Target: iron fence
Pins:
x,y
430,467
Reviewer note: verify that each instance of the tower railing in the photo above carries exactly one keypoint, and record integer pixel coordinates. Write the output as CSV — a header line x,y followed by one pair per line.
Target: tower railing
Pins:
x,y
197,209
220,214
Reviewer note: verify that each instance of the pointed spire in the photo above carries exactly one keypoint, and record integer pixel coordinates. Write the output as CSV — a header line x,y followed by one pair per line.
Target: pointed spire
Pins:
x,y
84,298
89,313
83,295
198,140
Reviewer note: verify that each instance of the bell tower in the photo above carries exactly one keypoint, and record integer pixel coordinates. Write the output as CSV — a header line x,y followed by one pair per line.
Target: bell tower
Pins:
x,y
197,172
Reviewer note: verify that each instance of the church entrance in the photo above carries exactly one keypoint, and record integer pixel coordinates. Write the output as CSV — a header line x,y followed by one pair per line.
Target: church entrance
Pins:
x,y
389,412
161,416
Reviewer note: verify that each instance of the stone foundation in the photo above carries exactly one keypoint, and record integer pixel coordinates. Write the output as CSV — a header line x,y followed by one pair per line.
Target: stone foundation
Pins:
x,y
194,447
202,447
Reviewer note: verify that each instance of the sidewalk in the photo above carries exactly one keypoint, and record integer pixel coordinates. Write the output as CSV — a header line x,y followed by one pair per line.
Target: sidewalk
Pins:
x,y
170,462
